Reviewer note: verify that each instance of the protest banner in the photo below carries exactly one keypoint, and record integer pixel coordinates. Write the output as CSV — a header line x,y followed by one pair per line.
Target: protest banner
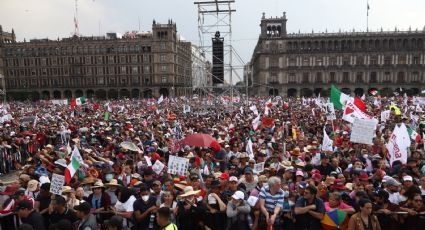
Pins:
x,y
363,131
178,165
57,183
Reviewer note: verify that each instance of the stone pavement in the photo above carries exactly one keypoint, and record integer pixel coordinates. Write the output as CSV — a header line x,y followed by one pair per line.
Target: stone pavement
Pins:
x,y
9,178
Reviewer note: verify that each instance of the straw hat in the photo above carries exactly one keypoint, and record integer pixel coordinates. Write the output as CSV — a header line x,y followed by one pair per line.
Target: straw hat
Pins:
x,y
97,184
181,185
296,152
88,180
67,189
188,191
32,185
113,182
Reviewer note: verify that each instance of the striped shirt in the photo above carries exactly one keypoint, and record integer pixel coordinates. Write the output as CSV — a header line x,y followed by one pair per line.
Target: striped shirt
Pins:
x,y
271,201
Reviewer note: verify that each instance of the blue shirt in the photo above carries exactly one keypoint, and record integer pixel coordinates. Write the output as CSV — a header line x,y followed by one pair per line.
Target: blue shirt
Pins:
x,y
271,201
306,221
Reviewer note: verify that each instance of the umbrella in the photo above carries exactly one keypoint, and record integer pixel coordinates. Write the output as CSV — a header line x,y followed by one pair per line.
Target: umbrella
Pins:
x,y
130,146
335,219
198,140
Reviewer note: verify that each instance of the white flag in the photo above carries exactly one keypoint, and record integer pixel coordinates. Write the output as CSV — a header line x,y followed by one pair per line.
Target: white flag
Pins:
x,y
256,122
398,144
327,142
351,112
160,99
254,109
249,150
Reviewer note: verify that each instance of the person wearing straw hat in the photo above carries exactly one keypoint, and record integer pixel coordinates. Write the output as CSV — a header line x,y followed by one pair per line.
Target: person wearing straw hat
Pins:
x,y
111,189
99,200
190,212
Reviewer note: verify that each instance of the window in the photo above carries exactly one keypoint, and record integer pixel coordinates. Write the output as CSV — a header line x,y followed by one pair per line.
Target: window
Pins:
x,y
332,77
273,78
134,59
134,70
345,77
291,78
162,58
387,77
163,68
402,59
373,61
332,61
162,46
387,60
292,62
415,77
163,79
373,78
319,77
415,60
100,81
123,69
306,78
146,69
359,77
400,77
306,61
145,58
346,61
319,61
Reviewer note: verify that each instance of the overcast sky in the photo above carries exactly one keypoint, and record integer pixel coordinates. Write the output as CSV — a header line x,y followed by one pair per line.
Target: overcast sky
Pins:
x,y
54,18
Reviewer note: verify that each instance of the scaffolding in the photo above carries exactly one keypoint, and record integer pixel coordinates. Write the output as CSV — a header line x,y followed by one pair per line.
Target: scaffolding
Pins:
x,y
216,16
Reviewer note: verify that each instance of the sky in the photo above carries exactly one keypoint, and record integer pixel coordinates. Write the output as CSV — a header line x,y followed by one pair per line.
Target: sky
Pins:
x,y
55,18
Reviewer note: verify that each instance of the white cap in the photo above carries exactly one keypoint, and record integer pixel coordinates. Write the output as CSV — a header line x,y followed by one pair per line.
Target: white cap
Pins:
x,y
233,178
238,195
407,178
299,173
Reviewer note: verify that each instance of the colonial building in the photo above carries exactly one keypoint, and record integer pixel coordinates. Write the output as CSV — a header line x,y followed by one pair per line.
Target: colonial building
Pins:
x,y
134,65
307,64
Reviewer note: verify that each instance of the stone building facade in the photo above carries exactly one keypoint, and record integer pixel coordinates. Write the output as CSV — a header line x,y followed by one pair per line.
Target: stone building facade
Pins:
x,y
135,65
307,64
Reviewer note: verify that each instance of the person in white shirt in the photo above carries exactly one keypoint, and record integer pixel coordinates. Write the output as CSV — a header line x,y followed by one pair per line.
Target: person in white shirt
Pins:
x,y
124,206
392,187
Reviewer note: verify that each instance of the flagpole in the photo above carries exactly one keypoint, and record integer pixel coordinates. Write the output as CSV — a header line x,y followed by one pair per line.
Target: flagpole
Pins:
x,y
367,17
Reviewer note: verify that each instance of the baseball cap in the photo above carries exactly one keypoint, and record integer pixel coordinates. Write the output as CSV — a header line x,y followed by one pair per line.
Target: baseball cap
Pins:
x,y
238,195
24,204
248,170
302,185
20,192
224,176
233,178
407,178
299,173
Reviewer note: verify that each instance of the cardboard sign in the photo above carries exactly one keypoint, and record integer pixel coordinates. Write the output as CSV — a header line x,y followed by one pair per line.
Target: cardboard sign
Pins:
x,y
330,112
363,131
57,184
158,167
252,200
178,165
258,168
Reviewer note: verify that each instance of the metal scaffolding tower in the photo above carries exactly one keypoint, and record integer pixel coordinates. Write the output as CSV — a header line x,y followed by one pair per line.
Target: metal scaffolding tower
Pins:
x,y
216,16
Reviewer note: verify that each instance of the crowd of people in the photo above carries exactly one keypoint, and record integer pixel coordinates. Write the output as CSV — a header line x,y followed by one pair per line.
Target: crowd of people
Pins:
x,y
263,170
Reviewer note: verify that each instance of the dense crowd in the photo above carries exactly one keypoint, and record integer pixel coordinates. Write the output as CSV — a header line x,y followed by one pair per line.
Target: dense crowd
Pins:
x,y
266,168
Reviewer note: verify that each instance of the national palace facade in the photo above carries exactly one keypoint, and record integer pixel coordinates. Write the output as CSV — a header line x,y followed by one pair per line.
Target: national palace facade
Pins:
x,y
307,64
135,65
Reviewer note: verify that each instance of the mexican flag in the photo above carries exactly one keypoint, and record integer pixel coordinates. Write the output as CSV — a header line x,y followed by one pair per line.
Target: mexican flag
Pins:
x,y
76,161
374,92
414,135
77,101
340,99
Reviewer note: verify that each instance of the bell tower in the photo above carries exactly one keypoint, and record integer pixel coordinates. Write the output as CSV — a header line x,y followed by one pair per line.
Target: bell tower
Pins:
x,y
273,27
